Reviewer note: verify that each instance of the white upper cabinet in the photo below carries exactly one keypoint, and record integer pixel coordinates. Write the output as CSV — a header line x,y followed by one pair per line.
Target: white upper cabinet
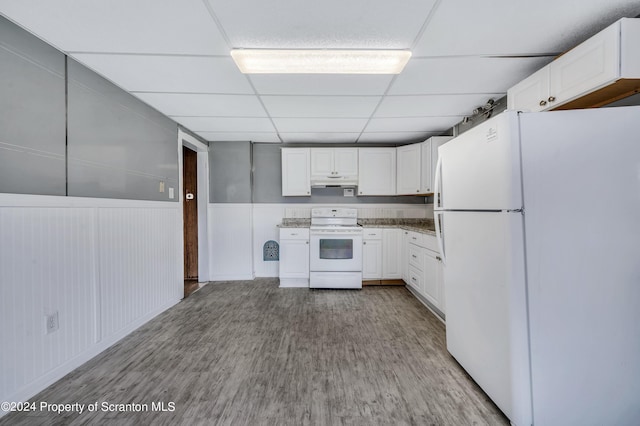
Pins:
x,y
601,69
408,162
436,142
377,171
334,163
296,172
426,174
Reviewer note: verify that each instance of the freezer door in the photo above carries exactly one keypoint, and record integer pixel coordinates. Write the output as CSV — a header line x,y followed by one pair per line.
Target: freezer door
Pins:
x,y
486,306
480,169
582,224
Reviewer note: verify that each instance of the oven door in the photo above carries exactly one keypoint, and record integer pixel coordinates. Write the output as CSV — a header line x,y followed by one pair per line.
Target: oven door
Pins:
x,y
335,252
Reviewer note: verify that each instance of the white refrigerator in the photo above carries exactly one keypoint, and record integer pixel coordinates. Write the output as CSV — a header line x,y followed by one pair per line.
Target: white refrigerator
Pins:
x,y
538,224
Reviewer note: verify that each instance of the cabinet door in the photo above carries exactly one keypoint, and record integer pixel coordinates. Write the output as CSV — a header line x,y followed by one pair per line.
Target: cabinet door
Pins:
x,y
426,175
587,67
376,171
391,254
431,266
440,284
296,177
294,259
531,94
408,169
372,259
321,162
346,161
404,257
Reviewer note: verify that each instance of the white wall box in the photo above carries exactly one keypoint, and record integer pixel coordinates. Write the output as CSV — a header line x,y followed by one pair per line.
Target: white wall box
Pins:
x,y
294,257
377,171
296,172
600,70
339,164
372,254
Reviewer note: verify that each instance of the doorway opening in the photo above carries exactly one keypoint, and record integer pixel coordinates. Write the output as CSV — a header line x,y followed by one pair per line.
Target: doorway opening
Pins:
x,y
190,219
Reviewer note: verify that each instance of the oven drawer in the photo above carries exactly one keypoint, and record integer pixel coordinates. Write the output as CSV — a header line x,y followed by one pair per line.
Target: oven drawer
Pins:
x,y
294,233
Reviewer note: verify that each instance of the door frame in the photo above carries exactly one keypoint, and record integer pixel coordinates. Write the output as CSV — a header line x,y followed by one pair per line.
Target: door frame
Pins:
x,y
185,139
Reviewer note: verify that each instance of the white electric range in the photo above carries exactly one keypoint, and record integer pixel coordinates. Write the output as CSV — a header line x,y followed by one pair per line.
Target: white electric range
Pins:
x,y
336,249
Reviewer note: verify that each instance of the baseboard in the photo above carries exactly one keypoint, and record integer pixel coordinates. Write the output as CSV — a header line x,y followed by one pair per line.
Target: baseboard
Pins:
x,y
383,282
62,370
294,283
435,311
241,277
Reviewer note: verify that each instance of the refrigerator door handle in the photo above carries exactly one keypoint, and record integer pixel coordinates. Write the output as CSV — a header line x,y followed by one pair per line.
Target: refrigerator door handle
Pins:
x,y
436,220
436,186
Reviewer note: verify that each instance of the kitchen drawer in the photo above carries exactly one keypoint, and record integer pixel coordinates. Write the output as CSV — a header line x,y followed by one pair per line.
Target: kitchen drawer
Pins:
x,y
416,279
294,233
416,238
429,242
416,259
372,234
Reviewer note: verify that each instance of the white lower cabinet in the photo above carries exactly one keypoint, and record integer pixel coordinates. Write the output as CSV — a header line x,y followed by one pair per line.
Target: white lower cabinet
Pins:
x,y
391,252
294,257
424,268
371,254
403,256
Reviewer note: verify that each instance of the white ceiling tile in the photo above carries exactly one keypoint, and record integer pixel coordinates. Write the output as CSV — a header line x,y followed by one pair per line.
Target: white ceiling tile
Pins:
x,y
507,27
320,84
432,105
204,105
226,124
322,24
395,137
144,73
240,136
320,106
413,124
339,125
313,137
464,75
142,26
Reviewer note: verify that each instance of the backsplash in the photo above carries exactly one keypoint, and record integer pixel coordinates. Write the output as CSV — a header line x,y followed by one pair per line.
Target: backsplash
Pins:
x,y
365,213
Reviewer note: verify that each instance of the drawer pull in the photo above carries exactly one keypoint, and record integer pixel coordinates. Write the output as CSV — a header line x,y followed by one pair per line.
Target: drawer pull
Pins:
x,y
413,279
414,256
294,233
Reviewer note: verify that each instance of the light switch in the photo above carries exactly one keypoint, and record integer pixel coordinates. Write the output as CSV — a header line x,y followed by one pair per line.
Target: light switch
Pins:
x,y
170,193
161,187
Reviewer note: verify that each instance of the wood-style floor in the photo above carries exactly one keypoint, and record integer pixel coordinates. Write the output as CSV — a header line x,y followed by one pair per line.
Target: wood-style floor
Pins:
x,y
249,353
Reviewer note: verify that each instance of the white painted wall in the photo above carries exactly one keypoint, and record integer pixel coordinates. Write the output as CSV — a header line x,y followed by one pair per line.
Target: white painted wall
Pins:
x,y
106,266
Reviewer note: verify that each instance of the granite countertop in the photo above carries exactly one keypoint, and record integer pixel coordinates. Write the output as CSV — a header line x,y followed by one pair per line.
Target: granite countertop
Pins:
x,y
425,226
295,223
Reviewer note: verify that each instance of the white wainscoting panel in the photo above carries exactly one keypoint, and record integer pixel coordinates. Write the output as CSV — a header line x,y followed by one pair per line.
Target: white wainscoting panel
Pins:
x,y
105,266
138,263
266,218
47,265
231,242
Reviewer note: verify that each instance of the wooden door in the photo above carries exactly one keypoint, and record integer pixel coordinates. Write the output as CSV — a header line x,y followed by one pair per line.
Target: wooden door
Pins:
x,y
190,210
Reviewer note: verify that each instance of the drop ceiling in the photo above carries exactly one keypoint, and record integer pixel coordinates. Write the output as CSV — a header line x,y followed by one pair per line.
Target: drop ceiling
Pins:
x,y
174,55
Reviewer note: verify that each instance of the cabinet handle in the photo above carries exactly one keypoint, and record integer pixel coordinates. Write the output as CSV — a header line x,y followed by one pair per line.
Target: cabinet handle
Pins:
x,y
306,242
307,192
414,256
543,102
438,258
360,192
552,98
293,234
417,190
413,279
364,243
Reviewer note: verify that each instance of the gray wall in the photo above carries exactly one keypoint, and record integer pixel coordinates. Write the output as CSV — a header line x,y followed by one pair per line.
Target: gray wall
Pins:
x,y
32,114
231,180
230,172
64,130
118,147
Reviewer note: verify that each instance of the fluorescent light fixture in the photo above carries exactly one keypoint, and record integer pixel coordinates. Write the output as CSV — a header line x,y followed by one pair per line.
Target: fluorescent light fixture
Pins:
x,y
267,61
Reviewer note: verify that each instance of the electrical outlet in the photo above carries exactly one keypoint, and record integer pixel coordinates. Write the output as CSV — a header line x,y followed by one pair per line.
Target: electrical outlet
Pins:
x,y
161,186
51,322
171,195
